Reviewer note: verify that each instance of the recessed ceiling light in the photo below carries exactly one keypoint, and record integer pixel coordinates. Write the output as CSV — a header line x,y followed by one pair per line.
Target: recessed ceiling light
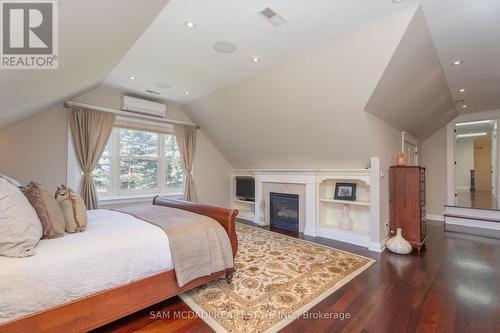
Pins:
x,y
462,90
255,59
131,77
190,25
457,62
186,92
224,47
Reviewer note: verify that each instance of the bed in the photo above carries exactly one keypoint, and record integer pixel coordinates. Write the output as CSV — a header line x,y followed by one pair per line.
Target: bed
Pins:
x,y
121,275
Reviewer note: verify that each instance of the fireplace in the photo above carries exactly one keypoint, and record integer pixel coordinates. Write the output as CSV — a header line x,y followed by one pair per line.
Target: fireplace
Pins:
x,y
284,211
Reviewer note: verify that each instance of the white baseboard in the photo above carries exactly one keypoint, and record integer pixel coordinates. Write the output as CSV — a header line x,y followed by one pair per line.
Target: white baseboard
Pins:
x,y
378,247
431,217
311,232
260,222
345,237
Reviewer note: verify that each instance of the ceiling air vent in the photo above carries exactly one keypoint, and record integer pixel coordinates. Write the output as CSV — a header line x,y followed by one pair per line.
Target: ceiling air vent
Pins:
x,y
272,17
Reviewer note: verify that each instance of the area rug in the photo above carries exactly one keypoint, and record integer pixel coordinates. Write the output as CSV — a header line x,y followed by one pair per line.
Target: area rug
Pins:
x,y
277,279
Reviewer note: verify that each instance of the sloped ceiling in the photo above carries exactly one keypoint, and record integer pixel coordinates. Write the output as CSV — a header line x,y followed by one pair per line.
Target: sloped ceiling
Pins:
x,y
307,112
468,30
93,37
170,53
184,59
413,93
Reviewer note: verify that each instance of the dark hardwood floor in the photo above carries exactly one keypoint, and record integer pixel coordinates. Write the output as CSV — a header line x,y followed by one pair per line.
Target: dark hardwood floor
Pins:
x,y
478,200
453,286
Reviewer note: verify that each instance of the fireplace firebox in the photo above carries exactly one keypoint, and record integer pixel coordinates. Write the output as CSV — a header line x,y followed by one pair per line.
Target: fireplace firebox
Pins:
x,y
284,211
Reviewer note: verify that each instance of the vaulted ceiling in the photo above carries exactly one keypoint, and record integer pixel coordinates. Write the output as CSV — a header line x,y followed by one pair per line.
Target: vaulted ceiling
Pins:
x,y
309,111
413,94
93,36
169,54
229,94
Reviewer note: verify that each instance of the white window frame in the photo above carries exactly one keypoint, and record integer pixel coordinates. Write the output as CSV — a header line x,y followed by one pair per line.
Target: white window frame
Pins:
x,y
115,158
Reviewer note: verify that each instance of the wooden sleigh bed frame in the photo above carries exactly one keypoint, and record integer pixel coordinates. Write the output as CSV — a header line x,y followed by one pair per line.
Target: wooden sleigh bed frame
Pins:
x,y
98,309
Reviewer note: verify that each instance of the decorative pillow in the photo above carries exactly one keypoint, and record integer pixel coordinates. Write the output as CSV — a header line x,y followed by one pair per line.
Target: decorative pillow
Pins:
x,y
47,209
11,180
73,208
20,228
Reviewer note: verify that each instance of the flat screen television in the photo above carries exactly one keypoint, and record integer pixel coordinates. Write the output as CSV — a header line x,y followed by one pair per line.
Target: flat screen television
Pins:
x,y
245,188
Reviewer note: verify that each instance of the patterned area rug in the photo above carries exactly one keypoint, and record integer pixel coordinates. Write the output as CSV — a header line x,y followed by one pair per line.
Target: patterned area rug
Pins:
x,y
277,279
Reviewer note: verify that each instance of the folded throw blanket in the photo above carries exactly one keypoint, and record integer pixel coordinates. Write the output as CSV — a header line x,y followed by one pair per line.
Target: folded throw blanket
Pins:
x,y
199,244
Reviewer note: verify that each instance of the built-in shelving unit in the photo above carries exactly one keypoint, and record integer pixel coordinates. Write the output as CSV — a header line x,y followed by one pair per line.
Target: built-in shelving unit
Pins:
x,y
346,202
322,214
245,208
330,211
244,202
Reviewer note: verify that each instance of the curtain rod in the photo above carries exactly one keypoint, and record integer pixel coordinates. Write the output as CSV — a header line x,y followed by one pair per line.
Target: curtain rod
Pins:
x,y
127,114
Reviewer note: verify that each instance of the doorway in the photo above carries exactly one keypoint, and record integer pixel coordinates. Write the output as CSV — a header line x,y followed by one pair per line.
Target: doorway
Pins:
x,y
410,146
474,166
482,164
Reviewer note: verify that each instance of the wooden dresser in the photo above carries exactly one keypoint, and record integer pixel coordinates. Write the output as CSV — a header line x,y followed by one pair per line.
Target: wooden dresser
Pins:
x,y
407,198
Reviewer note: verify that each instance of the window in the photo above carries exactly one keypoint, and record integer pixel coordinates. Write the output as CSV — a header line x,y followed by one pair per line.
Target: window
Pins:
x,y
139,162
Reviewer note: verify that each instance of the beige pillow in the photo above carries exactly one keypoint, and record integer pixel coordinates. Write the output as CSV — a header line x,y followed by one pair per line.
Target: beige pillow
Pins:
x,y
73,208
47,209
20,228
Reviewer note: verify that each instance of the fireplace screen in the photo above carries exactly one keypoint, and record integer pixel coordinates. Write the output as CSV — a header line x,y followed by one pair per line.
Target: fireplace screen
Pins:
x,y
284,211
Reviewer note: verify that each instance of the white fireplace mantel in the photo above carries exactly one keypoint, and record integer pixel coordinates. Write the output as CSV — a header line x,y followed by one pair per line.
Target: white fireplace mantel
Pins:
x,y
319,209
309,180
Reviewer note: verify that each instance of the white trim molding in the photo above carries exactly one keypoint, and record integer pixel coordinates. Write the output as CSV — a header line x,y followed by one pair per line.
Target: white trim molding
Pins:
x,y
481,222
131,199
378,247
450,163
431,217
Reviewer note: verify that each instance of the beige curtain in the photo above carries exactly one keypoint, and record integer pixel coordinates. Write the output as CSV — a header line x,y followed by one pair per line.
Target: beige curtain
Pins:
x,y
90,130
186,141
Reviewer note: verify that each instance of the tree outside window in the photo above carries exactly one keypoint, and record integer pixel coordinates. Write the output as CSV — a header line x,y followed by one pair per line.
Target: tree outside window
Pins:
x,y
137,161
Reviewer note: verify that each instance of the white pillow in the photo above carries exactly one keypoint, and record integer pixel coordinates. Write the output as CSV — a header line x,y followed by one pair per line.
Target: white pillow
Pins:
x,y
11,180
20,228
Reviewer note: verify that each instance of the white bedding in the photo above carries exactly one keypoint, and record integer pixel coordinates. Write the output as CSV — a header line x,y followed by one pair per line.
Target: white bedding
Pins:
x,y
115,249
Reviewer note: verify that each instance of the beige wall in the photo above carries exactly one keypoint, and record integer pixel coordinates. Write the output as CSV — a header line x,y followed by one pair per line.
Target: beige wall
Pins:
x,y
388,142
211,173
434,160
36,149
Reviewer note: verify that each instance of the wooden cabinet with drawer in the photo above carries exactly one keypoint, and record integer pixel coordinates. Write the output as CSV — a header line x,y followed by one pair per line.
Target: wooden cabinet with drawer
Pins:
x,y
407,197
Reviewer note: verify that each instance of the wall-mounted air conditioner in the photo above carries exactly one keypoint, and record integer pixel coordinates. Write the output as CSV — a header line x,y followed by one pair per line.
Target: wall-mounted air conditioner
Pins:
x,y
143,106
